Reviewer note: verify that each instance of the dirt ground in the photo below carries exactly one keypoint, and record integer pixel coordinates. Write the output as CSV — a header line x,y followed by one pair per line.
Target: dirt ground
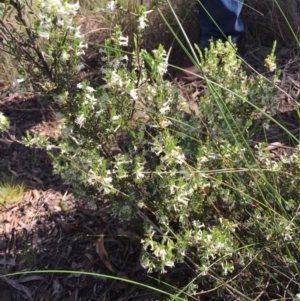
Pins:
x,y
52,230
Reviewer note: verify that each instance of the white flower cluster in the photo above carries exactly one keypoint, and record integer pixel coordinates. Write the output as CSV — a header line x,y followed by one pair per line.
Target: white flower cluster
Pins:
x,y
143,19
88,100
161,58
111,5
213,243
56,12
63,10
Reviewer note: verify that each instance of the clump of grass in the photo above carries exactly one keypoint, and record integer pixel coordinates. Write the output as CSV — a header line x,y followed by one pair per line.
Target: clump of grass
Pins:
x,y
63,204
271,20
98,23
11,191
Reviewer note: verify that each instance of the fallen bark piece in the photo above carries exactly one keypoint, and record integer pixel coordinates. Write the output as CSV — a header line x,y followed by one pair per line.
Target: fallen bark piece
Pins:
x,y
100,249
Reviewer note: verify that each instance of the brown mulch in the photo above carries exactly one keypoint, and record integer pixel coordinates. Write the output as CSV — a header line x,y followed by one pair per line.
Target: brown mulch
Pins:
x,y
52,230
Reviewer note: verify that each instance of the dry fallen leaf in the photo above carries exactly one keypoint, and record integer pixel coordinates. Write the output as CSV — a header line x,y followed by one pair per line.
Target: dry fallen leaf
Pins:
x,y
20,287
36,195
74,295
6,141
129,234
25,226
46,296
57,288
6,293
100,249
68,228
30,278
9,261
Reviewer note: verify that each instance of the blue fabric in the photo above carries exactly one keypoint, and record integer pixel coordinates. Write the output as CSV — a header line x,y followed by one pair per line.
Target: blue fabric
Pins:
x,y
226,13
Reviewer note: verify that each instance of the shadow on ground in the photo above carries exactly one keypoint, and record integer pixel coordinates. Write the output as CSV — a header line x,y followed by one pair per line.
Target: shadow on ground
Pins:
x,y
52,230
31,165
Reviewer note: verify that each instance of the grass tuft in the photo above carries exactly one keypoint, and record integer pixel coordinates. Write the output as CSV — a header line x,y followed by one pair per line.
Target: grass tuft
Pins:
x,y
11,191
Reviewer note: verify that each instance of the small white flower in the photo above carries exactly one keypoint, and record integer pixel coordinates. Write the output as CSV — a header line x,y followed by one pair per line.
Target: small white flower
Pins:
x,y
79,86
142,23
133,93
139,173
124,58
80,53
143,20
107,180
123,41
180,158
162,68
164,109
80,67
20,80
111,5
165,123
172,189
103,70
44,34
183,200
61,98
80,120
116,79
90,89
160,253
46,56
161,57
59,116
83,45
71,8
157,150
181,251
208,238
115,63
65,56
77,32
61,20
90,97
169,263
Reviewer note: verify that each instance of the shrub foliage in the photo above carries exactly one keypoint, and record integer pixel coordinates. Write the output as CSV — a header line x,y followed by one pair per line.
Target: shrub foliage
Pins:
x,y
203,194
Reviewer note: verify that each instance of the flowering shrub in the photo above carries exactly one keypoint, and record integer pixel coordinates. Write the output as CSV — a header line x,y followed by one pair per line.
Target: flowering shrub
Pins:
x,y
128,140
236,97
44,41
202,193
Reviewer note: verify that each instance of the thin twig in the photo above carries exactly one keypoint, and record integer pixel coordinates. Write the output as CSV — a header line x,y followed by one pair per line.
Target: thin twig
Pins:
x,y
264,290
21,49
18,7
227,286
